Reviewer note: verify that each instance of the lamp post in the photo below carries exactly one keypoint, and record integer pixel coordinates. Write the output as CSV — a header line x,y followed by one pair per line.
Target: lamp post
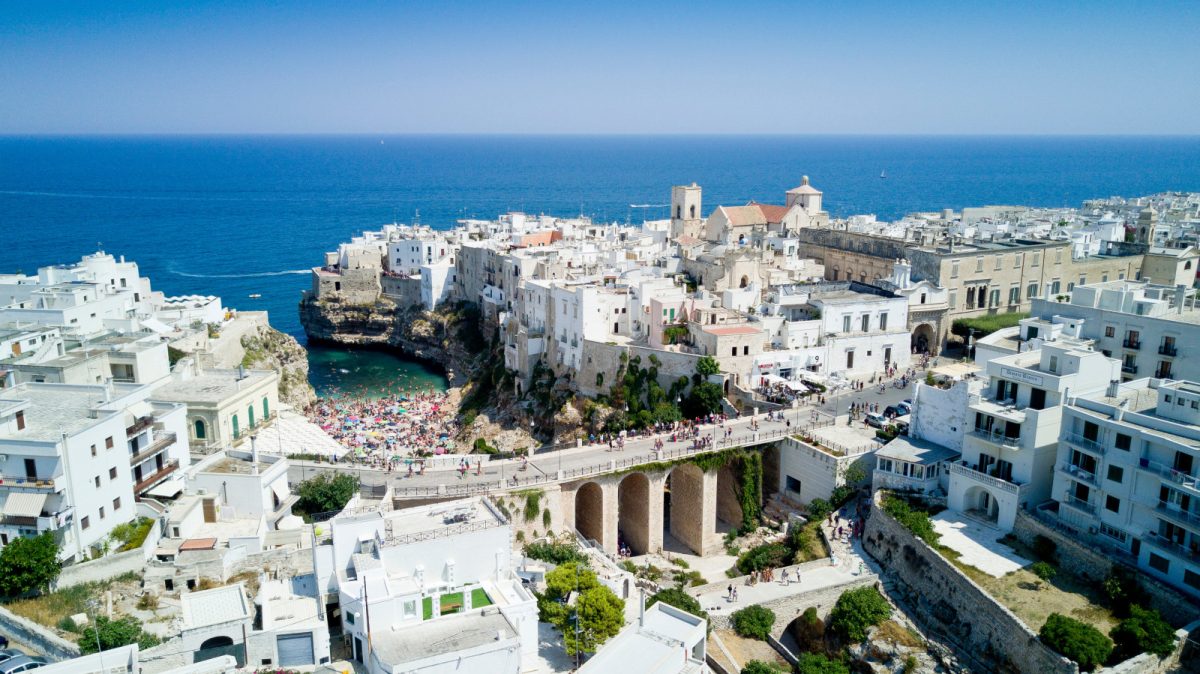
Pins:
x,y
94,605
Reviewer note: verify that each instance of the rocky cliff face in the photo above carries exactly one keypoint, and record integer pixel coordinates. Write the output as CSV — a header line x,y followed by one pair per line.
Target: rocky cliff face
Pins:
x,y
268,349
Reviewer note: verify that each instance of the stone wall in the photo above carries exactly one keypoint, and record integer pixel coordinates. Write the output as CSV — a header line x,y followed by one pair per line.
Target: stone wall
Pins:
x,y
787,609
1094,565
112,565
35,636
949,603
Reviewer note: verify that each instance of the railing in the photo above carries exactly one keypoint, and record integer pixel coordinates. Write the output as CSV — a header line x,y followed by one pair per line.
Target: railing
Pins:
x,y
165,440
168,468
1174,512
1129,369
1132,344
998,438
1168,545
1079,473
1086,443
979,476
1164,374
1179,477
26,482
1079,504
140,425
1168,350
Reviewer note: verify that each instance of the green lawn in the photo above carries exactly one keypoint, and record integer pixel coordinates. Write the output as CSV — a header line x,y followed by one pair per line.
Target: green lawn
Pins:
x,y
453,603
479,598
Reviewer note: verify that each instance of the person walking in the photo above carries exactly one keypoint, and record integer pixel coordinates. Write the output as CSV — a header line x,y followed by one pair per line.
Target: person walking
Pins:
x,y
729,593
785,577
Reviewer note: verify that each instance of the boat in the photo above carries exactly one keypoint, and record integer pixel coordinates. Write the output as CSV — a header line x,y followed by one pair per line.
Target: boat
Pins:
x,y
255,296
883,174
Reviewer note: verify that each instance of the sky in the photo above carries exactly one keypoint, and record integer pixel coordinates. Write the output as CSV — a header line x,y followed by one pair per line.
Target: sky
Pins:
x,y
609,67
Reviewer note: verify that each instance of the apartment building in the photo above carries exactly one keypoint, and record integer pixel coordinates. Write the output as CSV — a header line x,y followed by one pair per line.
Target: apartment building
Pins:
x,y
1152,329
1009,452
1127,475
224,406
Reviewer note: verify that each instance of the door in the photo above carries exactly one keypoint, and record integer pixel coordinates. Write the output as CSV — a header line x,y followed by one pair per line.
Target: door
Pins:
x,y
30,469
887,356
1037,399
295,649
358,650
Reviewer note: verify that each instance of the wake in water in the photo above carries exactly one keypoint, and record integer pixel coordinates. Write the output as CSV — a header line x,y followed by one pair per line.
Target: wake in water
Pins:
x,y
286,272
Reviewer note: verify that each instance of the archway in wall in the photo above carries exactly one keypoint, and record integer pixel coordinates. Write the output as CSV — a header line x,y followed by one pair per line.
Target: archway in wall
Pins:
x,y
589,512
979,503
633,513
729,502
685,503
215,647
744,282
924,340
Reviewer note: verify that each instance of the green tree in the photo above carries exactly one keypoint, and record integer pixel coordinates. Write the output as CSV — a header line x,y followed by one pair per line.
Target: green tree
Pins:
x,y
680,600
753,622
809,631
599,612
1144,631
705,398
326,493
760,667
818,663
857,610
1076,640
29,564
1044,570
114,634
707,365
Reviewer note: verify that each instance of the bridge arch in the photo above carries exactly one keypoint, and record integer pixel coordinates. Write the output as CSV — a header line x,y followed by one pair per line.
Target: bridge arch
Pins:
x,y
589,512
686,503
729,501
633,512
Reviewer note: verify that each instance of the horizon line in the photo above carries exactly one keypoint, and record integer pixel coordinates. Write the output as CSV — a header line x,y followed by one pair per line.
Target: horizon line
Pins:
x,y
571,134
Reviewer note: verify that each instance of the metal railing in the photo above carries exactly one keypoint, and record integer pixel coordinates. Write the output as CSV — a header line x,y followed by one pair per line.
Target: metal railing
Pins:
x,y
28,482
1079,504
1174,512
1129,369
1134,344
1179,477
980,476
1168,350
1168,545
163,441
1079,473
168,468
1086,443
998,438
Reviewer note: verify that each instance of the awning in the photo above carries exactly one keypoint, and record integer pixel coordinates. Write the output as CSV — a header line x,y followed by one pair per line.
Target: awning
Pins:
x,y
25,504
280,487
157,326
168,488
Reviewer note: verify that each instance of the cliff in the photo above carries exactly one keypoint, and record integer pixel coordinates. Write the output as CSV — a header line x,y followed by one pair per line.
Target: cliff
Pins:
x,y
268,349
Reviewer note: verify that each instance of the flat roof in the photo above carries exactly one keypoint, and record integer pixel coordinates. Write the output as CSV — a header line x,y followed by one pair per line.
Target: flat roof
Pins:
x,y
724,330
915,450
442,636
54,409
214,607
213,386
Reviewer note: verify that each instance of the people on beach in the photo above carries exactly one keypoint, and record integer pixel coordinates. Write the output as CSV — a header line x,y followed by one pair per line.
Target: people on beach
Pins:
x,y
390,431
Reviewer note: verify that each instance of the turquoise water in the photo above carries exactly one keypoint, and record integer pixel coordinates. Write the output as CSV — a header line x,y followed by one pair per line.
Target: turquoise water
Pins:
x,y
368,372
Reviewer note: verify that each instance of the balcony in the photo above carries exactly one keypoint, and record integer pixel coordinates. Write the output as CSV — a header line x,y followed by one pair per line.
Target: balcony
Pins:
x,y
1079,474
1086,507
1171,547
1177,477
1164,373
989,480
1128,368
1004,408
1078,440
1134,344
140,425
1168,350
154,478
47,483
161,442
997,438
1174,513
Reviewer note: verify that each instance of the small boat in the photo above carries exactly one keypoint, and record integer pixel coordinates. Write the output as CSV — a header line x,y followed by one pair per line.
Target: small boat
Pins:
x,y
255,296
883,174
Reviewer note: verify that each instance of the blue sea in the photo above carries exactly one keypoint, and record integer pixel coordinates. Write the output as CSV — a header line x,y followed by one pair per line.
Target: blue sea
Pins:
x,y
235,216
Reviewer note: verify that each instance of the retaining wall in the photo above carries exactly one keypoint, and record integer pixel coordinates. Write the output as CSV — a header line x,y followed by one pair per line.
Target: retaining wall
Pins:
x,y
951,604
112,565
35,636
787,609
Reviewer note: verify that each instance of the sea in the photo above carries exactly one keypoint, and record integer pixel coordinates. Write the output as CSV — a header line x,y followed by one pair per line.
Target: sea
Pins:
x,y
237,216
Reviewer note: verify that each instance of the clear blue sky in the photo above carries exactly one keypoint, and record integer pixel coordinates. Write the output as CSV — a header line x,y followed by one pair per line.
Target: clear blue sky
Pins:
x,y
600,67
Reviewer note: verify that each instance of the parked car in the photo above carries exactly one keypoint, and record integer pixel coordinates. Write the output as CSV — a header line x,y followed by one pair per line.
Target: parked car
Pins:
x,y
894,411
22,663
9,653
902,424
876,420
905,405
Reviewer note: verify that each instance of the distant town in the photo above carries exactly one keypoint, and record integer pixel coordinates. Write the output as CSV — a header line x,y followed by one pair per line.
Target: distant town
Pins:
x,y
745,438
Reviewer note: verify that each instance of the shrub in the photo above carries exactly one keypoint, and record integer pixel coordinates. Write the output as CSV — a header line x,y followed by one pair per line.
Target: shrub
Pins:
x,y
481,446
1044,570
856,611
809,631
326,493
1078,641
1144,631
763,556
1045,549
68,625
1123,591
131,535
817,663
680,562
114,634
819,509
148,601
28,564
753,622
760,667
546,518
914,519
555,553
680,600
986,325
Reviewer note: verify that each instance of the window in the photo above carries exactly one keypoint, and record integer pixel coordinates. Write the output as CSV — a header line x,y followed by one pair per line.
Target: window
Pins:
x,y
1110,331
970,297
1055,287
1112,503
1083,280
1031,291
883,320
97,479
734,351
999,262
112,473
108,442
101,512
1018,260
20,420
116,504
994,300
410,608
1014,295
1058,256
1123,442
349,618
1054,363
746,350
979,264
885,465
85,522
1116,473
1112,532
953,299
1037,259
954,269
1159,564
845,324
793,484
1191,578
93,450
866,322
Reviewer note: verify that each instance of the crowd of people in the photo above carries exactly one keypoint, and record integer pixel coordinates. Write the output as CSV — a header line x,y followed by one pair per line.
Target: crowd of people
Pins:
x,y
386,431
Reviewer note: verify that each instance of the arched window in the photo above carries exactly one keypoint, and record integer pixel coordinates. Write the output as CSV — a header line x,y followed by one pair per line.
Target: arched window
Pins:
x,y
692,211
201,431
236,432
266,409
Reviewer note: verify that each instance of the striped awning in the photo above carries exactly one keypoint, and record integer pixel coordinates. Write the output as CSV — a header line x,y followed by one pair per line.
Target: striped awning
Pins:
x,y
25,504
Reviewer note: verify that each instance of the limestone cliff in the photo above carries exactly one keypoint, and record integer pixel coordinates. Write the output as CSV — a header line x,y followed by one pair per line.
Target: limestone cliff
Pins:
x,y
268,349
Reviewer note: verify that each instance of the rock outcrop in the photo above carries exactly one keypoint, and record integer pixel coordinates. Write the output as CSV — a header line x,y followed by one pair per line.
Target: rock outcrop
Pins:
x,y
269,349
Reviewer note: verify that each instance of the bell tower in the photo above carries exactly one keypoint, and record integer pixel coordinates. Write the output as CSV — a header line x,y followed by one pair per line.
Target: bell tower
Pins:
x,y
686,215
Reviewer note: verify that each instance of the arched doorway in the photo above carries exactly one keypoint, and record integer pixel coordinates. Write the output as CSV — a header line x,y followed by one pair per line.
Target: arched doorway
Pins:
x,y
589,512
978,502
200,429
218,646
924,340
682,509
633,513
744,282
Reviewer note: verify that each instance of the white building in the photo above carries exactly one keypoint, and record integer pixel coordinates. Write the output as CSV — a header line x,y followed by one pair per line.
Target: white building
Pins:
x,y
664,640
433,585
1128,475
1008,455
